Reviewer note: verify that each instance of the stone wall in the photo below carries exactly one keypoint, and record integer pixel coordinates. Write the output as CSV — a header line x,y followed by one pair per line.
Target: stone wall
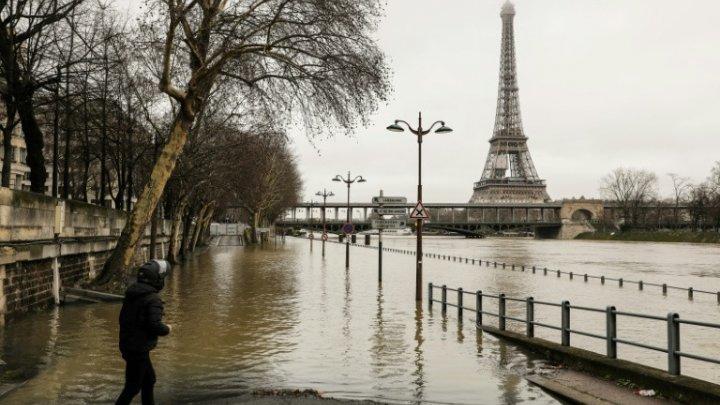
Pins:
x,y
46,244
26,285
593,207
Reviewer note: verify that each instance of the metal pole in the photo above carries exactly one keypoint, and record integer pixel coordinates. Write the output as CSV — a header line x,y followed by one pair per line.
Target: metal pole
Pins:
x,y
380,249
460,303
430,295
673,331
380,255
530,317
611,332
501,312
347,240
419,222
478,307
565,329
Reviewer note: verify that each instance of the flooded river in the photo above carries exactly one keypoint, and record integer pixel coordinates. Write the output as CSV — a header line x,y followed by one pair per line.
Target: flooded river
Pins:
x,y
285,317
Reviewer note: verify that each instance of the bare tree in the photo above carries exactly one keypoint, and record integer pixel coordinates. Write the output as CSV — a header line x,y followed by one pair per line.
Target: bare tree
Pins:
x,y
29,64
681,187
312,58
631,189
714,178
7,127
268,182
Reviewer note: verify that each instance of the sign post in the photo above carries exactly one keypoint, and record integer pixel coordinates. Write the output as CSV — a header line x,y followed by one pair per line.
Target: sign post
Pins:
x,y
381,223
311,236
380,247
380,200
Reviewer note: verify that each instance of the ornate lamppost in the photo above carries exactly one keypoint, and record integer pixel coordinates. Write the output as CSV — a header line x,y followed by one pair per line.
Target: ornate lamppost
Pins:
x,y
348,180
324,194
420,133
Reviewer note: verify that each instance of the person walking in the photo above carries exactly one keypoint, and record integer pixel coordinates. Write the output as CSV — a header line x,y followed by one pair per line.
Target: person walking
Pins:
x,y
140,325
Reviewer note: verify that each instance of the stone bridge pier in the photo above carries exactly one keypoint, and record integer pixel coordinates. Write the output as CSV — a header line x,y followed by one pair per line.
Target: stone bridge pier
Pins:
x,y
576,217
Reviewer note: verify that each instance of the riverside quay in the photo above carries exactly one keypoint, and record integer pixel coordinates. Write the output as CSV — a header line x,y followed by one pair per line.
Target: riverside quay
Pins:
x,y
329,202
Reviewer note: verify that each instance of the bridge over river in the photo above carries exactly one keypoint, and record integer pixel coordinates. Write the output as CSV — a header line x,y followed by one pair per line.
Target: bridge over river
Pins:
x,y
560,219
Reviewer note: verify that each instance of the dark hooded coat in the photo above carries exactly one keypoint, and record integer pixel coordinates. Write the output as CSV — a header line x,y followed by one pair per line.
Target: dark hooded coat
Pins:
x,y
141,319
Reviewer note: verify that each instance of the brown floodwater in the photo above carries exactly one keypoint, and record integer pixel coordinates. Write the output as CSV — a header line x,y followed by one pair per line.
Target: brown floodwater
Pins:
x,y
285,317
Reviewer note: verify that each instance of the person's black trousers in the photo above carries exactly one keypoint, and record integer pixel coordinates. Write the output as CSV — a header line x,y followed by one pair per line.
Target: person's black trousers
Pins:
x,y
139,376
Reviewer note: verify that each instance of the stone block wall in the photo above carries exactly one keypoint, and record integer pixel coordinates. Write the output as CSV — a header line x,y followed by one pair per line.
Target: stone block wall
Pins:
x,y
34,264
26,285
25,216
75,268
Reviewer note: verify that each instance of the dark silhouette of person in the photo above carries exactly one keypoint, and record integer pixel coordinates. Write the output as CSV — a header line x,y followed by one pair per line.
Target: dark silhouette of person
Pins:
x,y
140,325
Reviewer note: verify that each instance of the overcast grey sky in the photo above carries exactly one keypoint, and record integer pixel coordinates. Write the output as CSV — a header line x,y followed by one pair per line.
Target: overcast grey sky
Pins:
x,y
603,83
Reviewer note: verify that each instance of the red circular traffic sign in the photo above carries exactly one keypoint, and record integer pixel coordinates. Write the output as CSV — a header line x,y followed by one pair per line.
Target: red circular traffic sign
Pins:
x,y
324,237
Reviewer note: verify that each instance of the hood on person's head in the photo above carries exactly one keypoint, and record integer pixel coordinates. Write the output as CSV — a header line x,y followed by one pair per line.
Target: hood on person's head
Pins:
x,y
153,273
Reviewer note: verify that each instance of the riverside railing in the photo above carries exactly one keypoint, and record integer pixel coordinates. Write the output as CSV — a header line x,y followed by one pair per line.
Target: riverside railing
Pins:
x,y
671,322
664,287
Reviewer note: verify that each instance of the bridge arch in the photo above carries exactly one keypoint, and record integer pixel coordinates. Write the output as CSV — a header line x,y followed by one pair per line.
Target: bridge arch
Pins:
x,y
581,209
582,214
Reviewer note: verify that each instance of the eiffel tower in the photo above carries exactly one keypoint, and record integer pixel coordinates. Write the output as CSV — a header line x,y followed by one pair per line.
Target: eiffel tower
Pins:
x,y
509,174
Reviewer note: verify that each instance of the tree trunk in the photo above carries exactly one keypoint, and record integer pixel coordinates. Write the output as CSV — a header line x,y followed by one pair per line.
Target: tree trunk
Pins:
x,y
206,224
103,131
119,262
186,233
199,225
153,234
66,152
130,170
86,144
173,247
255,226
7,142
33,140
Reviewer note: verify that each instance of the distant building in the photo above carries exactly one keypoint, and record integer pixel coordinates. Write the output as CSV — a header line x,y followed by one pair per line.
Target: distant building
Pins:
x,y
20,171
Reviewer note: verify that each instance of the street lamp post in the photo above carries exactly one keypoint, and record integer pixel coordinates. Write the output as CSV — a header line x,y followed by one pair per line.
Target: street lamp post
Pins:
x,y
312,235
348,180
324,194
419,132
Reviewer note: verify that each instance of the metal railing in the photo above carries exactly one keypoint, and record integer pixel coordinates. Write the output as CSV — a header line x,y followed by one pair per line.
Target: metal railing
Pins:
x,y
664,287
691,291
672,323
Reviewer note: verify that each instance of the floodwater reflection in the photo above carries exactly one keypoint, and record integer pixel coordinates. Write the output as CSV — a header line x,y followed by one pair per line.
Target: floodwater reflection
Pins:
x,y
419,360
273,317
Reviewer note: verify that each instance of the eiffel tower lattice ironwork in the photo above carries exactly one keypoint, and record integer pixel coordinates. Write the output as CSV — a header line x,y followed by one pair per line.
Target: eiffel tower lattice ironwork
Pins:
x,y
509,174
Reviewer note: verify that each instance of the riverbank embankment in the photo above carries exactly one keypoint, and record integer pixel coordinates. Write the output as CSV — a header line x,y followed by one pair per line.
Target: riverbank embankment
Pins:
x,y
654,236
48,244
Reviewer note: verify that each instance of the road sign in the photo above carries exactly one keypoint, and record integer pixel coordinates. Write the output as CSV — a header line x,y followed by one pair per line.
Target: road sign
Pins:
x,y
389,200
311,236
390,211
388,223
419,212
324,237
348,228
